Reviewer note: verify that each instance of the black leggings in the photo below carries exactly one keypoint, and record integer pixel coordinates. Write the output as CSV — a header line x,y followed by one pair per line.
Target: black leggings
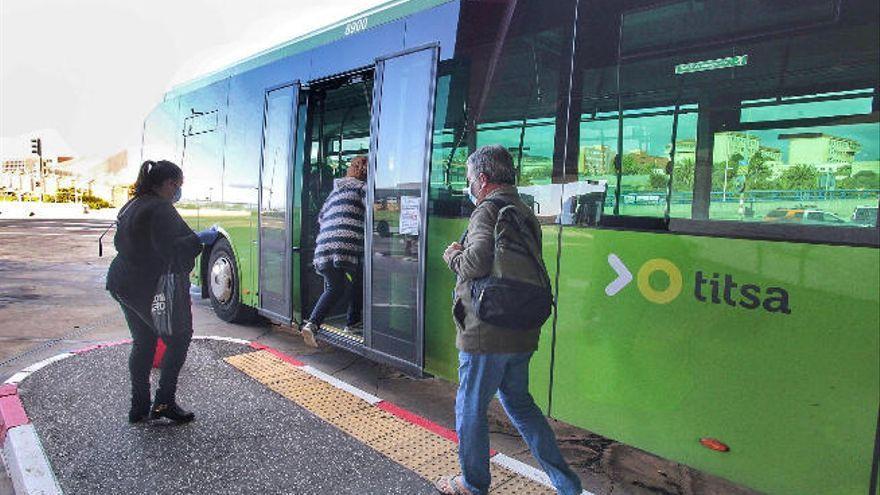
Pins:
x,y
143,348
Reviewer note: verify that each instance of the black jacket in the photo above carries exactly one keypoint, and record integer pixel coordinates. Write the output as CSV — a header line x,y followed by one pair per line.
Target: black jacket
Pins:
x,y
150,237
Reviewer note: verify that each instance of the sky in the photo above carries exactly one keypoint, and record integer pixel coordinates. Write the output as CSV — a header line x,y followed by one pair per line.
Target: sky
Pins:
x,y
83,74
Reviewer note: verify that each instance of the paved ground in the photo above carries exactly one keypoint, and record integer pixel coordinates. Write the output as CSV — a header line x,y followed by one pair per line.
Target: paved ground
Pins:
x,y
52,300
245,438
50,280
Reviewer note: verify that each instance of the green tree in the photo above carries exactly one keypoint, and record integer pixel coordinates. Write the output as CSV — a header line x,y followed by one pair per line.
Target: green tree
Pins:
x,y
535,174
629,165
758,173
799,177
683,176
731,166
657,180
866,179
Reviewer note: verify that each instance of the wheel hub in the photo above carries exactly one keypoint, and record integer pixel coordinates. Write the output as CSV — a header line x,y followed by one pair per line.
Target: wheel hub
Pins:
x,y
221,280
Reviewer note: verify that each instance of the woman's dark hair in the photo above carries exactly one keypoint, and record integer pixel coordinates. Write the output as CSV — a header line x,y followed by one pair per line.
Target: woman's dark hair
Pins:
x,y
154,174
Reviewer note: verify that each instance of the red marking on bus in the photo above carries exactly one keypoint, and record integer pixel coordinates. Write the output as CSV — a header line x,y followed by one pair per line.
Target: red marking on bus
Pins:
x,y
714,444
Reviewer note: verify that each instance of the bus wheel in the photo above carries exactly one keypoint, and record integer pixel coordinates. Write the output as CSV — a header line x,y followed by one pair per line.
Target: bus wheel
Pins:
x,y
223,285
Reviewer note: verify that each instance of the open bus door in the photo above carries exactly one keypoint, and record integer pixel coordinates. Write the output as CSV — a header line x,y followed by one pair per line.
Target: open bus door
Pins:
x,y
385,112
276,191
403,108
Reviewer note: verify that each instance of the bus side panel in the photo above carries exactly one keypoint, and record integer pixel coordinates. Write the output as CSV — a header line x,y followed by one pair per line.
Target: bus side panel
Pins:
x,y
781,367
356,51
441,355
242,156
437,25
162,137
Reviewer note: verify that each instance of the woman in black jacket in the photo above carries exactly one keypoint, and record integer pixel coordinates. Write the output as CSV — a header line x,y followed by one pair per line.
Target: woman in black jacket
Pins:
x,y
151,237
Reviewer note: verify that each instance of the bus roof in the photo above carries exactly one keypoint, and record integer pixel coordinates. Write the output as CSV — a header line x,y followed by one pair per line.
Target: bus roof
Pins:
x,y
381,14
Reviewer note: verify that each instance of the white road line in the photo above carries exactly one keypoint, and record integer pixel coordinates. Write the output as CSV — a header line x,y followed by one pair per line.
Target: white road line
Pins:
x,y
17,378
336,382
46,362
524,469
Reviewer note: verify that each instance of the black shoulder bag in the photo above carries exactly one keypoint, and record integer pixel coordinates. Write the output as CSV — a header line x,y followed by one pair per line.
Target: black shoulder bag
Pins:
x,y
508,302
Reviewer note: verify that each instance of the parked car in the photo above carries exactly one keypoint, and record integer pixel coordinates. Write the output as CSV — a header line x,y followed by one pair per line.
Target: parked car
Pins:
x,y
803,216
865,215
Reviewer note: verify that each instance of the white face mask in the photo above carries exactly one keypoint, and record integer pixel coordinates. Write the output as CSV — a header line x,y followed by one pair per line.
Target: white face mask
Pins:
x,y
470,194
177,194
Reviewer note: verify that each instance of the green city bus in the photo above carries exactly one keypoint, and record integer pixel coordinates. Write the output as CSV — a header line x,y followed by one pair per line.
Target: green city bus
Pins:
x,y
706,172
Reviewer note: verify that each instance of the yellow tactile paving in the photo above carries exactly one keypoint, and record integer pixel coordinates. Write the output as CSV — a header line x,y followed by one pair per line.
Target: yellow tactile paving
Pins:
x,y
411,446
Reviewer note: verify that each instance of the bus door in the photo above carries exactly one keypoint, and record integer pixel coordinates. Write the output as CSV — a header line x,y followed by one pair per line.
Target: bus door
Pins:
x,y
403,104
276,189
335,128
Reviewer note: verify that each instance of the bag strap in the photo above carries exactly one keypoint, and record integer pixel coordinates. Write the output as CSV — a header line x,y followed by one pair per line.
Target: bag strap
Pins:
x,y
114,224
520,222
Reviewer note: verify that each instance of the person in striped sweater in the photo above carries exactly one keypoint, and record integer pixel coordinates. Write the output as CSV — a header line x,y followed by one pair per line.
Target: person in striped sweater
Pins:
x,y
339,250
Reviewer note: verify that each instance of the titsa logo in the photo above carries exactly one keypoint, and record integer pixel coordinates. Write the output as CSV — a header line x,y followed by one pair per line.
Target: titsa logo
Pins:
x,y
713,288
624,277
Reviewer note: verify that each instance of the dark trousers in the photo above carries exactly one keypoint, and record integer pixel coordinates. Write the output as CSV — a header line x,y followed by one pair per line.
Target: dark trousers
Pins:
x,y
335,285
143,348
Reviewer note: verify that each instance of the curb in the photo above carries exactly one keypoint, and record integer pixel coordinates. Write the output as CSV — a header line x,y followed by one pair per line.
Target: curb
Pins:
x,y
30,470
23,454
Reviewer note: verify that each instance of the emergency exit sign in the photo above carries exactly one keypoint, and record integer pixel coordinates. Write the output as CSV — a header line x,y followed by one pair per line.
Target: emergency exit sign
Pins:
x,y
718,63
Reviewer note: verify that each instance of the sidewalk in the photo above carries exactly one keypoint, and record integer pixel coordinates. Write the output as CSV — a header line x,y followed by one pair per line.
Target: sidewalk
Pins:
x,y
265,424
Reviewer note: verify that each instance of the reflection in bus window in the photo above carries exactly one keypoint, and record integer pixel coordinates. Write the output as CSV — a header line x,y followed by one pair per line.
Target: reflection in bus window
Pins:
x,y
530,143
825,171
771,126
503,87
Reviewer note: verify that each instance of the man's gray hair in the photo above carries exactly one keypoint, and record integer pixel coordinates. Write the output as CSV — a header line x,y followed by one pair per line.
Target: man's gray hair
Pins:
x,y
494,161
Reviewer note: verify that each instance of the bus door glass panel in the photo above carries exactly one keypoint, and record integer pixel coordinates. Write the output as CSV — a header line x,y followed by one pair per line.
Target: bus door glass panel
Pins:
x,y
275,191
397,214
339,122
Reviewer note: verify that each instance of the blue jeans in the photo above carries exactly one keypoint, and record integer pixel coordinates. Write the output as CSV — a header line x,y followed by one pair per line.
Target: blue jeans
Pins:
x,y
480,376
335,284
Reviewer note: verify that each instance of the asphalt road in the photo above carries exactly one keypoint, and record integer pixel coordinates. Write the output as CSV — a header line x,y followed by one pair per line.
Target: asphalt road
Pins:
x,y
50,281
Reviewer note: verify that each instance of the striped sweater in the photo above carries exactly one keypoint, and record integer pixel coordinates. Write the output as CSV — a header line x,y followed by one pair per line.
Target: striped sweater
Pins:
x,y
341,236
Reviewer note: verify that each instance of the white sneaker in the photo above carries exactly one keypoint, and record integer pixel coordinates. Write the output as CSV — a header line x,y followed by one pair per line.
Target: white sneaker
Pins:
x,y
309,332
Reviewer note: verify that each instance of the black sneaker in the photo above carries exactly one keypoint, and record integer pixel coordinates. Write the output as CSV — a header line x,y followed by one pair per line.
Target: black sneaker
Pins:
x,y
138,412
171,411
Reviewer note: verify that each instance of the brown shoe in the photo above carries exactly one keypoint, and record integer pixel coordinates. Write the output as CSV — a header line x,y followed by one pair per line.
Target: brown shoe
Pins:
x,y
309,333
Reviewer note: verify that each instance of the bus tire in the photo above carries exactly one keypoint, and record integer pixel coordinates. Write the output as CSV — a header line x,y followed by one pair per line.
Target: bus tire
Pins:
x,y
223,285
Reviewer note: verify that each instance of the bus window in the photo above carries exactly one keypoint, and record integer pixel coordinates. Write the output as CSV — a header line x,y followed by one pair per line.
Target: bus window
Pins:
x,y
829,168
775,112
504,87
530,143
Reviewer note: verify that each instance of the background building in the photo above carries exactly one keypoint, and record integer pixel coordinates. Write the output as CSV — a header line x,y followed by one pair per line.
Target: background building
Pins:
x,y
597,160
